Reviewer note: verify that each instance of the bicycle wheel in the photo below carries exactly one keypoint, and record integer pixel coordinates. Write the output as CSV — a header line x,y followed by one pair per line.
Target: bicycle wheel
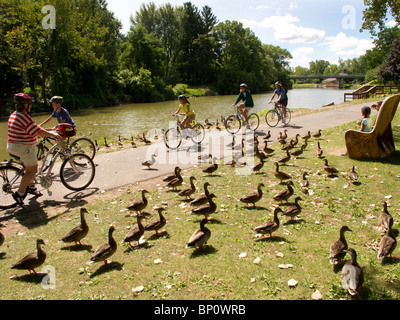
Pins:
x,y
83,145
272,118
10,179
172,138
254,121
77,172
232,124
288,117
198,133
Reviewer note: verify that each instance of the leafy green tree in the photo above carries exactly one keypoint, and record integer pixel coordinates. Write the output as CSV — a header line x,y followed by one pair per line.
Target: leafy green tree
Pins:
x,y
390,70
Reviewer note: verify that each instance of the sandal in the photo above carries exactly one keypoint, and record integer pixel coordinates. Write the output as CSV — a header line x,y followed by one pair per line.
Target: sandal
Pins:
x,y
34,191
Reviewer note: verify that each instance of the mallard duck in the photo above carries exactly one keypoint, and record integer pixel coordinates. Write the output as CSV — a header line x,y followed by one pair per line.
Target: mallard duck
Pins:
x,y
106,250
33,260
304,182
149,163
79,232
135,233
353,175
177,181
156,225
254,196
187,192
106,143
387,245
267,150
203,198
133,143
298,152
268,135
352,274
385,220
145,140
139,205
338,249
319,151
258,166
318,134
304,145
296,139
269,226
212,167
172,176
207,208
284,195
285,159
200,237
259,154
289,146
307,136
279,174
96,145
293,210
2,238
120,143
284,135
331,170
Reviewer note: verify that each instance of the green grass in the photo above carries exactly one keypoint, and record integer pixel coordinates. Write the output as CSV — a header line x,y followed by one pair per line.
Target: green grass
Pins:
x,y
217,272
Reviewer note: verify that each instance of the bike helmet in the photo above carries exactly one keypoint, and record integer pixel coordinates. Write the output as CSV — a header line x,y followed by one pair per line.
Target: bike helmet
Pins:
x,y
56,99
182,97
243,85
278,83
22,97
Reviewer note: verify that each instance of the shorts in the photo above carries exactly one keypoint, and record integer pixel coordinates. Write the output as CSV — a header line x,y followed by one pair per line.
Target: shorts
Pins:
x,y
25,152
284,102
190,118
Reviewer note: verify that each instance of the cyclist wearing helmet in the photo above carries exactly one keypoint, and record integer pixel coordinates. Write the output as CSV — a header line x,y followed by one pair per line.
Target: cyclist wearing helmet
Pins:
x,y
246,97
282,101
59,112
21,142
186,110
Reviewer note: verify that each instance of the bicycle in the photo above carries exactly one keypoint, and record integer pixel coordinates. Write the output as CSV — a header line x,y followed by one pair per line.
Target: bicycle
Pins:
x,y
77,172
275,115
234,122
173,136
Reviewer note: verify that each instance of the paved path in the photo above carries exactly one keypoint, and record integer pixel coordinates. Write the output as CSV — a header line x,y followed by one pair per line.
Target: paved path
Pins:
x,y
120,168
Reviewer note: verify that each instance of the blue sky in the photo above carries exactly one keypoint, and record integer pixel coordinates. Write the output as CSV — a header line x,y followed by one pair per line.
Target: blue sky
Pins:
x,y
308,29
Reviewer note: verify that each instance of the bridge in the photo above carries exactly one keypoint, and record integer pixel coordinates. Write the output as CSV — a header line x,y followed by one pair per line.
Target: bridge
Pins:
x,y
341,77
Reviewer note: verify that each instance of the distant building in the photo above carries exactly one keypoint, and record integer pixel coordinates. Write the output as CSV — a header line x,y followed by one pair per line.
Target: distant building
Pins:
x,y
330,82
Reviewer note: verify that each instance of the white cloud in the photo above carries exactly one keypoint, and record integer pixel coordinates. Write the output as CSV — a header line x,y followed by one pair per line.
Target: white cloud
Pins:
x,y
301,56
293,6
391,23
286,30
343,45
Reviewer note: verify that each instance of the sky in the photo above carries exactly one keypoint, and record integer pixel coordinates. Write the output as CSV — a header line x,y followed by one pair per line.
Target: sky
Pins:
x,y
309,29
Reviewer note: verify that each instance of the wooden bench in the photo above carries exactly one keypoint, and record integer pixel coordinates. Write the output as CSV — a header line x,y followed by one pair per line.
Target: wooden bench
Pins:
x,y
377,144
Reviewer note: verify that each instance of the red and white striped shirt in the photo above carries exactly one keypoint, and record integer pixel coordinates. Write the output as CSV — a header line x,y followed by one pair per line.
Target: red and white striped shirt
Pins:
x,y
22,129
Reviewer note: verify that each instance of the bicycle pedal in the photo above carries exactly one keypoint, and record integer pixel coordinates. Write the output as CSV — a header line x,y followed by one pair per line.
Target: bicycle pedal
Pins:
x,y
50,193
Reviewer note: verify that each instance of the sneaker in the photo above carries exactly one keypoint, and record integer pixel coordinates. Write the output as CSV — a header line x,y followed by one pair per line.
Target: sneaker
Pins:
x,y
34,191
19,199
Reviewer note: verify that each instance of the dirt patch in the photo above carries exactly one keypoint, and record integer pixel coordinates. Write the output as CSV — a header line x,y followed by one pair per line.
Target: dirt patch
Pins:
x,y
338,151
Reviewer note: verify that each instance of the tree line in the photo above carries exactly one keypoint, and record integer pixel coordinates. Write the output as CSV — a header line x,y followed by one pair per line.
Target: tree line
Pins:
x,y
86,59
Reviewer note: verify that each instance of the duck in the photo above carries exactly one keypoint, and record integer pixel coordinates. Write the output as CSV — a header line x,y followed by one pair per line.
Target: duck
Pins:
x,y
296,139
212,167
200,237
304,145
293,210
254,196
145,140
203,198
289,146
353,274
172,176
106,250
258,166
307,136
331,170
96,145
387,245
353,175
318,134
156,225
298,152
139,205
135,233
120,143
177,181
79,232
106,143
260,154
284,135
133,143
304,182
208,124
284,195
33,260
149,163
267,150
385,220
279,174
285,159
269,226
187,192
338,249
2,237
267,136
319,151
207,208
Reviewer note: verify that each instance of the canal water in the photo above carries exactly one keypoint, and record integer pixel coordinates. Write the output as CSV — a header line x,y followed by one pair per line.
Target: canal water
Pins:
x,y
128,119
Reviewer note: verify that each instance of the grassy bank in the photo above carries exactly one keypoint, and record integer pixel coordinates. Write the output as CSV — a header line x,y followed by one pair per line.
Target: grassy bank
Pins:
x,y
162,268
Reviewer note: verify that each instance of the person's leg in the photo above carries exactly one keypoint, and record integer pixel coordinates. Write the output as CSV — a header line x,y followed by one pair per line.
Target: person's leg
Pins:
x,y
27,178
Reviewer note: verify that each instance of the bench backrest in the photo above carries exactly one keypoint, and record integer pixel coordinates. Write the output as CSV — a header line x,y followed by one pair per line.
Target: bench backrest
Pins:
x,y
386,114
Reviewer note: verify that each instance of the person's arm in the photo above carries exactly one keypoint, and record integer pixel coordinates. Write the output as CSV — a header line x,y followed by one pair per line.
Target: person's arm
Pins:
x,y
45,133
177,111
272,98
46,121
238,98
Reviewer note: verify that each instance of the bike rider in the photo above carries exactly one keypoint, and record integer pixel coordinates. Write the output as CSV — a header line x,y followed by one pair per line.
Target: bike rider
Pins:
x,y
282,101
248,103
186,110
21,143
59,112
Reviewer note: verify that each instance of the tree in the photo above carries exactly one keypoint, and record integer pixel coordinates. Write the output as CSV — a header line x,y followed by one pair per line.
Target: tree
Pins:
x,y
376,13
390,70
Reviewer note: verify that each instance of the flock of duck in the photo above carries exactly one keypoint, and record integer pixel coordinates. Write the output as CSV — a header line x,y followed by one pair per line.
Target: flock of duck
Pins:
x,y
204,205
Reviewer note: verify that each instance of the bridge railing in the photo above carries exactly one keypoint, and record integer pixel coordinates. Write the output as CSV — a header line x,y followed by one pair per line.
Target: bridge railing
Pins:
x,y
368,91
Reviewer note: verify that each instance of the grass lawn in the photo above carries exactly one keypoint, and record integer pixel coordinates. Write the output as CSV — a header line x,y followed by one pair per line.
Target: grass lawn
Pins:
x,y
162,268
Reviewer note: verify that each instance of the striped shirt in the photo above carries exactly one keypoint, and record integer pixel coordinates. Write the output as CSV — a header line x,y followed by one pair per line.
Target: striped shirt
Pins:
x,y
22,129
